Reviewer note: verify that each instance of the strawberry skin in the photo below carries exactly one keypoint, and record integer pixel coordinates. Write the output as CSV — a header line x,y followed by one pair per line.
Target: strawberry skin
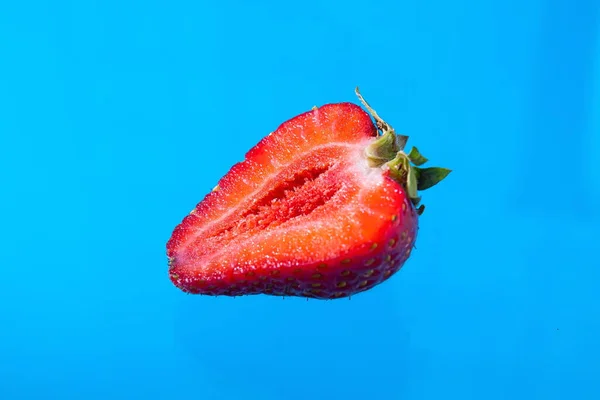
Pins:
x,y
324,207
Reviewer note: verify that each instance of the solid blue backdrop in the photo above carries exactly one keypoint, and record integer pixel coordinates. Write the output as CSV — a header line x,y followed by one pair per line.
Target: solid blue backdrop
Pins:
x,y
117,117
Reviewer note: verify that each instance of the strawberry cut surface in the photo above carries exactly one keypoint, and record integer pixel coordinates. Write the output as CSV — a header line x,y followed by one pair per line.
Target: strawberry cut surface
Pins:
x,y
305,214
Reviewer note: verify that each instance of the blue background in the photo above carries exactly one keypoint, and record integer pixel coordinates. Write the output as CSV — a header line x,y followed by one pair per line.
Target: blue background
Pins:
x,y
116,118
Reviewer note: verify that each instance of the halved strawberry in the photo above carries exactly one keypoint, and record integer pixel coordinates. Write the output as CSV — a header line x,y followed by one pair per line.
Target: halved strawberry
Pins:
x,y
324,207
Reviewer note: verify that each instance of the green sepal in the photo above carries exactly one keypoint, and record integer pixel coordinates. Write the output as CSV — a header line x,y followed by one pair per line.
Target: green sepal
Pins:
x,y
401,141
382,150
387,151
429,177
412,182
398,167
416,157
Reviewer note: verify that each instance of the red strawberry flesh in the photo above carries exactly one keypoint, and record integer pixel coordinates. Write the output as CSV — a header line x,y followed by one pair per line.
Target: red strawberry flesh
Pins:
x,y
304,214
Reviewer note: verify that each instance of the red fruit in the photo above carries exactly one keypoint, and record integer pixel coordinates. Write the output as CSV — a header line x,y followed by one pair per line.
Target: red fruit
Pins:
x,y
324,207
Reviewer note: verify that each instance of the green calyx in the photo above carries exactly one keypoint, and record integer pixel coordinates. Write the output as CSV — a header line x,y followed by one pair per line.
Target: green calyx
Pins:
x,y
387,152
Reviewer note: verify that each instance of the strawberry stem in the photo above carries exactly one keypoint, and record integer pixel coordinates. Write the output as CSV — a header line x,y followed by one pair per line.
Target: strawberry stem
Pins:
x,y
387,151
382,126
